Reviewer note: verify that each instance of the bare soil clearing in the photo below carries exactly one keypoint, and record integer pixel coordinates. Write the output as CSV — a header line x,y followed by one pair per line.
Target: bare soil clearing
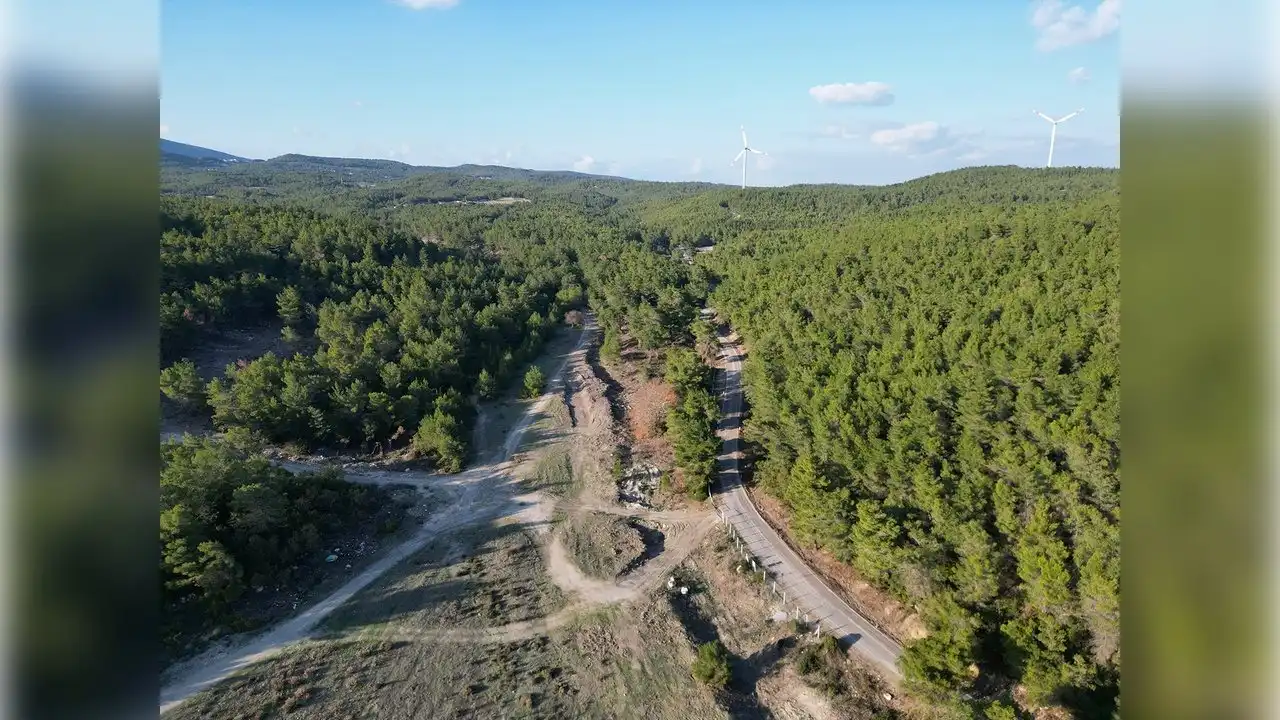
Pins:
x,y
472,579
476,495
494,613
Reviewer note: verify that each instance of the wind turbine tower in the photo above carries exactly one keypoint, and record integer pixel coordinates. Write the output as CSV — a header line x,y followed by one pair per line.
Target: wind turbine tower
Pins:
x,y
742,155
1053,135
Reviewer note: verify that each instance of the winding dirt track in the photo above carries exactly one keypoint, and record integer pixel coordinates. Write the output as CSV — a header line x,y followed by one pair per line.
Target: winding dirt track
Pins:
x,y
486,493
475,495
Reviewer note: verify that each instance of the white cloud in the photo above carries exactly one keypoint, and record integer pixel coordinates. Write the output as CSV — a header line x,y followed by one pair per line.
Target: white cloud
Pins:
x,y
400,153
1079,76
907,136
867,93
696,167
1060,26
427,4
584,164
838,131
358,103
929,139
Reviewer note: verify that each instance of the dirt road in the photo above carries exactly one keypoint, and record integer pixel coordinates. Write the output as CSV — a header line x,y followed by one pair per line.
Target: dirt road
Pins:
x,y
802,588
487,493
478,494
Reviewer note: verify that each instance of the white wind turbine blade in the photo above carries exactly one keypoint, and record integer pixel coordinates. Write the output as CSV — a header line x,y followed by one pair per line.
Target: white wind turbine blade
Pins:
x,y
1046,117
738,157
758,152
1068,117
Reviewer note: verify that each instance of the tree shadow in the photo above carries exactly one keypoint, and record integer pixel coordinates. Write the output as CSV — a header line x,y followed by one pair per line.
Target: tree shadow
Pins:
x,y
612,388
739,698
747,673
655,541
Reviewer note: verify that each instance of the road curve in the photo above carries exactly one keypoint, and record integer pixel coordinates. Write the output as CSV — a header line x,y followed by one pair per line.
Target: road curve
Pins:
x,y
803,589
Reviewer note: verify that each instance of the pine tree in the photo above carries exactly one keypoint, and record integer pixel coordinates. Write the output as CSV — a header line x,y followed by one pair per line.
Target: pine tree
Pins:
x,y
1041,558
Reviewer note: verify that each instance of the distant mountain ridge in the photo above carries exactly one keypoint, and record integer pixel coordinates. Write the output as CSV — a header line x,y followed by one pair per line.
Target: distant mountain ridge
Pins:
x,y
171,150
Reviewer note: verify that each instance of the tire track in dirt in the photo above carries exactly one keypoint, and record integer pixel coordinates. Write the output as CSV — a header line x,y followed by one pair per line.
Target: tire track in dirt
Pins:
x,y
484,493
691,529
478,494
591,594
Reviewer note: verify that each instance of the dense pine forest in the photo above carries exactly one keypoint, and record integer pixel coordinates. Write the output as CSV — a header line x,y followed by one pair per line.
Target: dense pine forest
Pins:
x,y
935,396
932,368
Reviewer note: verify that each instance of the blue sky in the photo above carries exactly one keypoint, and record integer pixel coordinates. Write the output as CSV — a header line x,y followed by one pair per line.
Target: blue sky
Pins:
x,y
834,91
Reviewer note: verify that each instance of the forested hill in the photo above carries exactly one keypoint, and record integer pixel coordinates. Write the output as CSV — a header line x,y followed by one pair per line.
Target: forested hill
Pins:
x,y
934,394
932,368
366,185
725,212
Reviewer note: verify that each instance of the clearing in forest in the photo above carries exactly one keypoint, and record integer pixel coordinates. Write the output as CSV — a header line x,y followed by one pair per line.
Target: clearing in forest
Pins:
x,y
554,602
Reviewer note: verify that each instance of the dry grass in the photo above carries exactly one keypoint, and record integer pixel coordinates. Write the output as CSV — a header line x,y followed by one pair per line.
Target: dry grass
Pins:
x,y
553,473
629,661
602,546
481,577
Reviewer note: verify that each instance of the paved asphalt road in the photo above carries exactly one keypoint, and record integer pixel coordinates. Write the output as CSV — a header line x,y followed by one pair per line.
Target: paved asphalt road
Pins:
x,y
803,589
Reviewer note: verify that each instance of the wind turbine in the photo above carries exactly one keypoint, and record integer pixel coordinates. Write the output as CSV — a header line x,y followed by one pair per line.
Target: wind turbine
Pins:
x,y
1054,134
742,155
